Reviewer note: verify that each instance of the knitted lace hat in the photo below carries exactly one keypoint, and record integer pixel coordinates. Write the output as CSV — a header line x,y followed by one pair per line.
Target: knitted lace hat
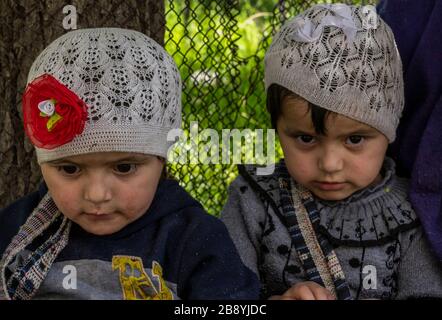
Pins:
x,y
101,90
341,58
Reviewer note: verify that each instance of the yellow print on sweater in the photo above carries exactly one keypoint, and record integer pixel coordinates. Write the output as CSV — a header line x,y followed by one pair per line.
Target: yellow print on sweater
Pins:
x,y
136,283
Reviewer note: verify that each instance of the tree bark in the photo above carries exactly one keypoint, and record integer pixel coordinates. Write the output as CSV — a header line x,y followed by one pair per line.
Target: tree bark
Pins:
x,y
26,28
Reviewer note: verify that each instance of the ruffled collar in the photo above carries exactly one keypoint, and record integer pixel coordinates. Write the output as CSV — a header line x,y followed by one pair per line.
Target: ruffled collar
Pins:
x,y
371,216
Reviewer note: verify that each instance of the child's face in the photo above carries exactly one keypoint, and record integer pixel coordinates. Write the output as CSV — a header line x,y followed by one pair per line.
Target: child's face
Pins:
x,y
332,166
103,192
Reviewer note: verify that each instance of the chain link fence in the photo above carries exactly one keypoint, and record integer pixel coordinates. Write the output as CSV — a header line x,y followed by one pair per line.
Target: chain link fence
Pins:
x,y
219,47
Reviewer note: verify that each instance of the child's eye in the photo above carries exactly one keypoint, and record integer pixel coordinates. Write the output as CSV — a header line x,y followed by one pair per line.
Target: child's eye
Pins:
x,y
69,169
354,140
306,139
125,168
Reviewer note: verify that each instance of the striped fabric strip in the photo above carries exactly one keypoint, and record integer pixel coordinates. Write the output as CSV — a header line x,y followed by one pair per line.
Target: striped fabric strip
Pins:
x,y
25,280
315,252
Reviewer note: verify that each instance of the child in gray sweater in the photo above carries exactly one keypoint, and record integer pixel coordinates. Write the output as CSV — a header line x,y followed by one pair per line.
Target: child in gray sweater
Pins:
x,y
333,221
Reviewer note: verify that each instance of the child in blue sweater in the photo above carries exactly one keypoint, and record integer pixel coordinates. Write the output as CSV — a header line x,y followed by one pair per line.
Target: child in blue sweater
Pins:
x,y
106,223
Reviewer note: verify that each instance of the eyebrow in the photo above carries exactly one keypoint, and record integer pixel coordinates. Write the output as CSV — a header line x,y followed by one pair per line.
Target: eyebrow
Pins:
x,y
297,132
354,132
138,159
360,132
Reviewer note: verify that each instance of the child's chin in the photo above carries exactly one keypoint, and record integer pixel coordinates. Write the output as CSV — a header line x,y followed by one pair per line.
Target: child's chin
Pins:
x,y
331,195
101,231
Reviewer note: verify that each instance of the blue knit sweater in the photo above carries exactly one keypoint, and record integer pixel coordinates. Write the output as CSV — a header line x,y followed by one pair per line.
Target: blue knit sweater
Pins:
x,y
175,250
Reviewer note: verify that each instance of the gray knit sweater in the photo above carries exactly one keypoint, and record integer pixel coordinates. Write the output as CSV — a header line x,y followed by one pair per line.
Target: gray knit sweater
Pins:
x,y
375,232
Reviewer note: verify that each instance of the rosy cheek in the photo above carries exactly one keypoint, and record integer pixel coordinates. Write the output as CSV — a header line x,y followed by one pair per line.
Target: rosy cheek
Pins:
x,y
129,204
301,164
364,174
136,203
297,173
67,202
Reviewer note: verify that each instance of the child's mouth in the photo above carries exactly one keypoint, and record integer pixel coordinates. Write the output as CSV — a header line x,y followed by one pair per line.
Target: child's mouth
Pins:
x,y
329,186
98,215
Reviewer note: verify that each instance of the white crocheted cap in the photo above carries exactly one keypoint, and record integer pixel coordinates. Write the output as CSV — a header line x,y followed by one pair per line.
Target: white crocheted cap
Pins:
x,y
341,58
131,85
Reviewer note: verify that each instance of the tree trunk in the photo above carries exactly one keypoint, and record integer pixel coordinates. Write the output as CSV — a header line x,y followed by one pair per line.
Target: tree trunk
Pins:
x,y
26,28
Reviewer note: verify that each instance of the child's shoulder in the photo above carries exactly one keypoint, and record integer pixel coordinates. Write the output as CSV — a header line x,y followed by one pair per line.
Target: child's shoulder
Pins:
x,y
250,176
21,208
254,192
16,213
175,206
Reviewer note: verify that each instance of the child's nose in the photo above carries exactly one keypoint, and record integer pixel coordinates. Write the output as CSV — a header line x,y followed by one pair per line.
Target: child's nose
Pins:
x,y
97,190
330,161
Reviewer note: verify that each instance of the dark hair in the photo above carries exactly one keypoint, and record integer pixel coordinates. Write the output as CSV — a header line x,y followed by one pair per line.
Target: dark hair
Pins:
x,y
165,173
275,97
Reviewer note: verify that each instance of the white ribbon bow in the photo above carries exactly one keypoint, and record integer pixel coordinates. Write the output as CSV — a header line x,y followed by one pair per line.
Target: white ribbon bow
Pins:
x,y
342,18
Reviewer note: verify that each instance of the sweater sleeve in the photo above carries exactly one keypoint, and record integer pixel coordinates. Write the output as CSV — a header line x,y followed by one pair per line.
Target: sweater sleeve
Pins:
x,y
244,215
13,216
420,274
211,268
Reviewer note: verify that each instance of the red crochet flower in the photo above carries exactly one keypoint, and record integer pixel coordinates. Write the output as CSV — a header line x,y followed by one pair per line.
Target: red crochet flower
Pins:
x,y
53,115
